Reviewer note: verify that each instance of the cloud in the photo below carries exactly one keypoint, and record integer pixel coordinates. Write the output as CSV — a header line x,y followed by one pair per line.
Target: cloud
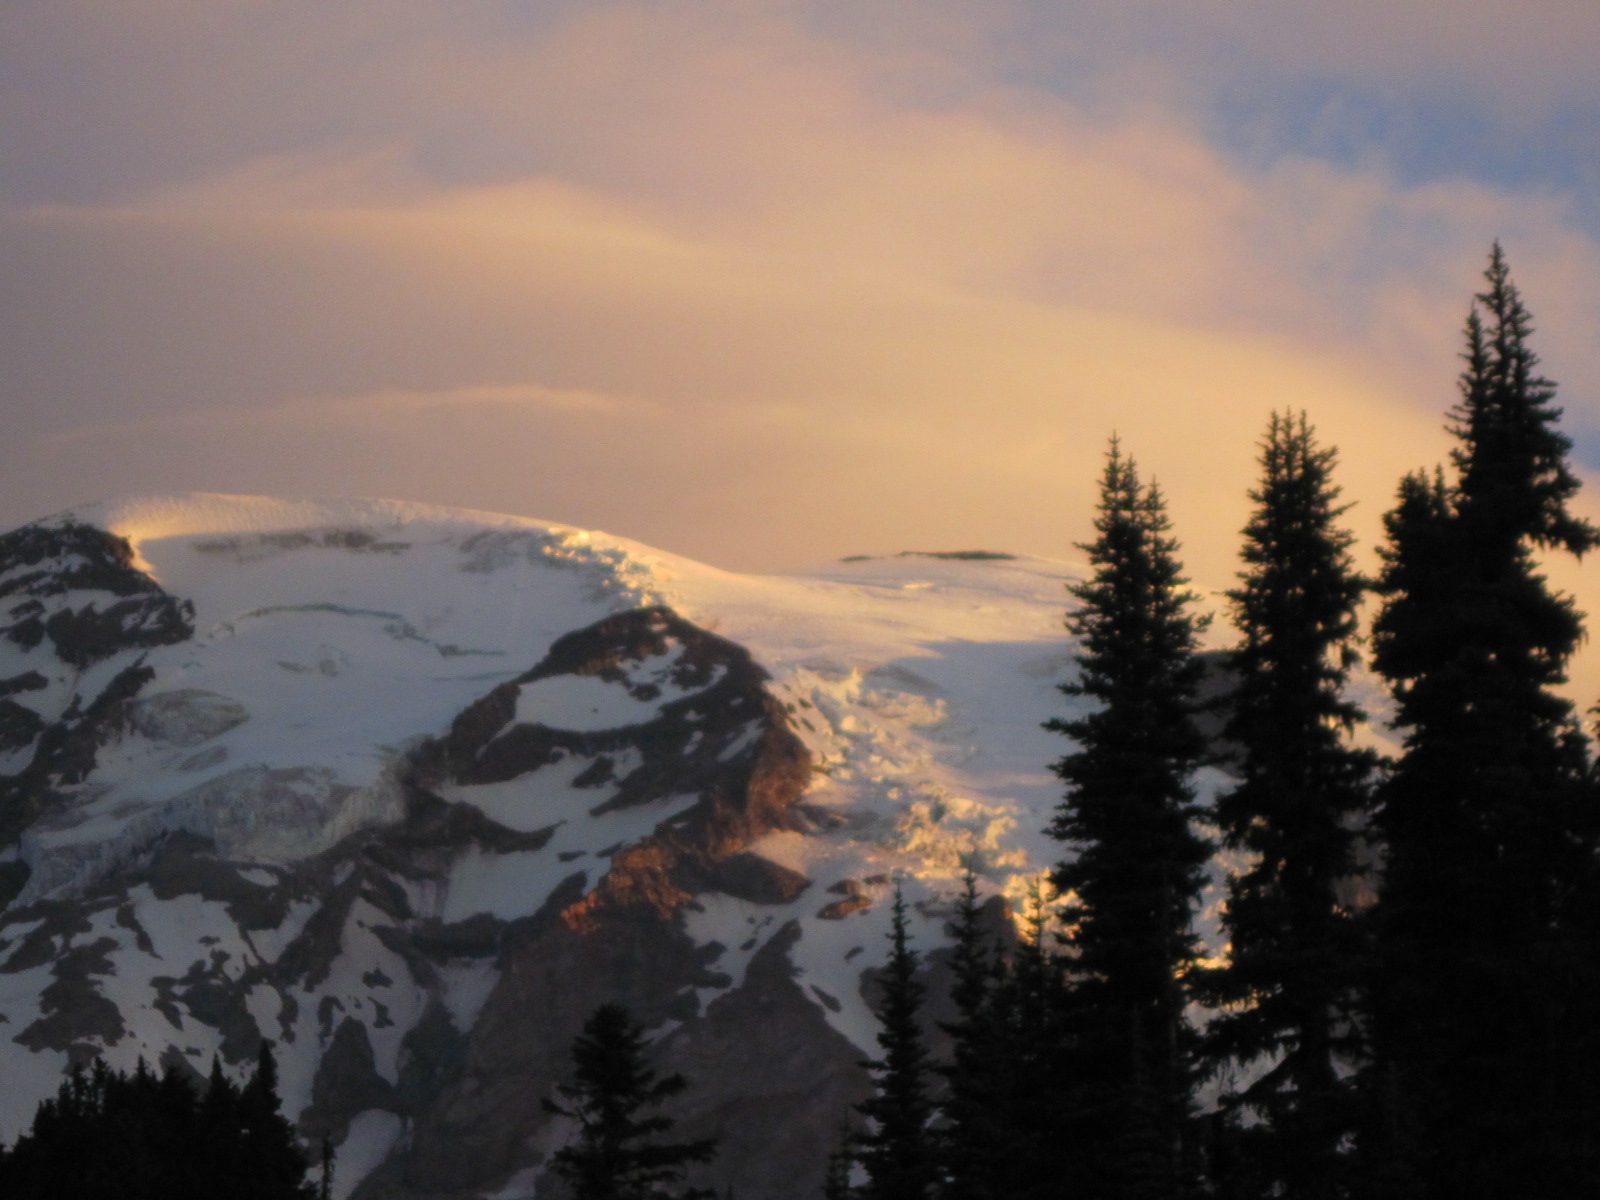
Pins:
x,y
1526,56
750,281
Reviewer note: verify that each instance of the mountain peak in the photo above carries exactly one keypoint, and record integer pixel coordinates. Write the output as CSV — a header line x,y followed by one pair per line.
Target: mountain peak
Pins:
x,y
377,780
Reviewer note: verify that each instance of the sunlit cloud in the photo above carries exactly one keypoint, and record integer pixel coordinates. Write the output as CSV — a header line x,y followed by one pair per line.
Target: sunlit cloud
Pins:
x,y
763,283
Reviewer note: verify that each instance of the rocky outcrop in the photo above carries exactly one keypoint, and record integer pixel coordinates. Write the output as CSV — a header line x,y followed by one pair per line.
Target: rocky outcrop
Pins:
x,y
773,1079
712,732
71,596
57,578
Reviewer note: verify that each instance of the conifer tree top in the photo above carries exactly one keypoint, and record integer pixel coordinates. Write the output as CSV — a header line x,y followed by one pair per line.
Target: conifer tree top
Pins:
x,y
896,1148
1129,799
1514,478
1132,616
1133,882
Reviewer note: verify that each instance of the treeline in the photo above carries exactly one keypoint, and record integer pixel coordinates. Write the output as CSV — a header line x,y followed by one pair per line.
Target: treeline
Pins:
x,y
1410,1005
111,1135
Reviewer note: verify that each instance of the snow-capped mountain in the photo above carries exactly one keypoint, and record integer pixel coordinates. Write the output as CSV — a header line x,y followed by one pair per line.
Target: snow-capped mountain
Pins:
x,y
410,790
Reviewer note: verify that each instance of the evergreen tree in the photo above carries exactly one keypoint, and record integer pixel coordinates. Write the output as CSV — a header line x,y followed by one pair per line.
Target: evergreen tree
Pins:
x,y
1488,820
1005,1082
897,1147
325,1185
617,1154
1289,990
112,1136
269,1157
1037,1097
1136,876
836,1177
969,1132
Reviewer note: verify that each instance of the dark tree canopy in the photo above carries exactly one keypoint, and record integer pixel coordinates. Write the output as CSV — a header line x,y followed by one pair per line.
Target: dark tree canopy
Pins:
x,y
836,1176
972,1127
108,1135
1290,987
618,1152
1488,819
1136,876
897,1146
1007,1079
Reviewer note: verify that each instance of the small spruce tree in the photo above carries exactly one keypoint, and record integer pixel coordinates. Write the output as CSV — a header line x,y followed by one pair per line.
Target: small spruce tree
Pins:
x,y
836,1176
968,1127
269,1154
896,1149
618,1153
1037,1089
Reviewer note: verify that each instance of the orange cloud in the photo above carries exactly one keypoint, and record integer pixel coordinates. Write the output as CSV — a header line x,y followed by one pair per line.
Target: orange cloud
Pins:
x,y
718,282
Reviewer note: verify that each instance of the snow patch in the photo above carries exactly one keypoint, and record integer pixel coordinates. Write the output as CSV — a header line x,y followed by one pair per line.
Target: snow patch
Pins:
x,y
466,989
543,797
372,1135
506,886
582,702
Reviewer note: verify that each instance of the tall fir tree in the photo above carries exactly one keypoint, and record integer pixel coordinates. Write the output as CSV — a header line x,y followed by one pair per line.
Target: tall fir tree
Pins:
x,y
270,1157
1037,1090
968,1131
1135,879
619,1151
896,1149
1488,817
1287,997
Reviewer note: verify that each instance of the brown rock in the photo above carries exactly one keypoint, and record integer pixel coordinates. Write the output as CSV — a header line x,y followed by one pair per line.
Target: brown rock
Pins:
x,y
770,1079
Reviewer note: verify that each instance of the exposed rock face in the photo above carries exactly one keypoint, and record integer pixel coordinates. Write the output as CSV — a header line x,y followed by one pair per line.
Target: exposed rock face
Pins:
x,y
774,1078
74,599
707,729
51,575
715,735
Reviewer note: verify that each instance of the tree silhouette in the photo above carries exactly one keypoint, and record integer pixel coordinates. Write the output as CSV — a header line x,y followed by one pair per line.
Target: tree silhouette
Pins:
x,y
1136,876
107,1135
897,1147
1289,990
1483,1016
618,1153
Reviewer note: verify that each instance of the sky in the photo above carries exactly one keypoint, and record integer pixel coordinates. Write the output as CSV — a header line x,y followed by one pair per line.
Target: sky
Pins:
x,y
769,282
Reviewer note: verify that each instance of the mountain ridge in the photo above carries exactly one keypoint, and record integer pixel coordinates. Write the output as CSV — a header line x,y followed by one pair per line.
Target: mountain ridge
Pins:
x,y
417,787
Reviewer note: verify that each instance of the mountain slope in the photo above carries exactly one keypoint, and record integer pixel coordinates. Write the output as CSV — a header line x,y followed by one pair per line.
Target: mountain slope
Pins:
x,y
410,790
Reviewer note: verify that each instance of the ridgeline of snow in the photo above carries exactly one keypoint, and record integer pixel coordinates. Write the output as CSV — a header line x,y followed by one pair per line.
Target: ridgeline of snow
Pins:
x,y
348,628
